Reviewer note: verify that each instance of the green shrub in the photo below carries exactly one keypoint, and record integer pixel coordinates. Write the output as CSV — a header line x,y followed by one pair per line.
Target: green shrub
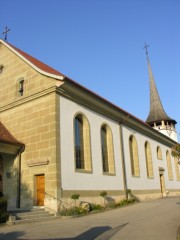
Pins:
x,y
3,210
3,204
73,211
78,210
75,196
3,217
103,194
96,207
125,202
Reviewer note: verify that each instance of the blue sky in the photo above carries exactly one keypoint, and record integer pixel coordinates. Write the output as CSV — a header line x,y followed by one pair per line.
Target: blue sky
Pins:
x,y
99,43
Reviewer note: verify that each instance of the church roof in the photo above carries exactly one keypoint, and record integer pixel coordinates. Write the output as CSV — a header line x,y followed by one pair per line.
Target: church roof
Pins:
x,y
38,65
157,112
70,85
7,137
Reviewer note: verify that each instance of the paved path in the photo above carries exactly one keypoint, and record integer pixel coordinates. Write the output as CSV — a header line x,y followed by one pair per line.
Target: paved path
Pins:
x,y
152,220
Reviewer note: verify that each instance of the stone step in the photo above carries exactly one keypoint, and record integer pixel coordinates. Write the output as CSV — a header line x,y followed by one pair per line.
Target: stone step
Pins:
x,y
31,220
29,215
32,215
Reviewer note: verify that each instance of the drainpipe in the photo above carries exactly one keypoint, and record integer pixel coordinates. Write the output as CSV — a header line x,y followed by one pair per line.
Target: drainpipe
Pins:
x,y
123,161
19,178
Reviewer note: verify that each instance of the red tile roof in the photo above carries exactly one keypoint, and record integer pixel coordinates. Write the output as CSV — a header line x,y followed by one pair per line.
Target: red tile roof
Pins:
x,y
50,70
7,137
42,66
46,69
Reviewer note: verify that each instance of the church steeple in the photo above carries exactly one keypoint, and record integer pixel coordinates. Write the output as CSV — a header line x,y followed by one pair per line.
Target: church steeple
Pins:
x,y
157,117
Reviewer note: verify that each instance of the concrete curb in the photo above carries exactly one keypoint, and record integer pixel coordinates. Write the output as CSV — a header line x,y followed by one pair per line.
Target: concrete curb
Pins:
x,y
178,234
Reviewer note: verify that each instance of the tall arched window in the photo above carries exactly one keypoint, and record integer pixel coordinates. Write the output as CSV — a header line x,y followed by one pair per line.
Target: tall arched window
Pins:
x,y
169,165
133,149
82,143
107,150
149,166
159,153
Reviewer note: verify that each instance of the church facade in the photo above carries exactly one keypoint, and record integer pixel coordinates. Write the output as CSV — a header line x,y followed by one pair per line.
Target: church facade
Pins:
x,y
72,141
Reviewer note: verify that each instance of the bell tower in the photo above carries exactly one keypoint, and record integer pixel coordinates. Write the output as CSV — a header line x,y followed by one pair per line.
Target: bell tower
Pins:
x,y
157,118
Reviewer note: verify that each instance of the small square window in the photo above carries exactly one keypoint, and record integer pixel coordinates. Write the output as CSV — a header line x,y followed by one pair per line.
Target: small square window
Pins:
x,y
21,87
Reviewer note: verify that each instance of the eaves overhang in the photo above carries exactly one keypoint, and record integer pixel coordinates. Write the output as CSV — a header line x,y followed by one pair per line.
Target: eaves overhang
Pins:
x,y
93,101
10,148
160,120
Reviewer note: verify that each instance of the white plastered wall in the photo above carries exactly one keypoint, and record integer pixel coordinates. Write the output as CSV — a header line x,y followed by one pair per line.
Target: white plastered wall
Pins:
x,y
72,180
143,182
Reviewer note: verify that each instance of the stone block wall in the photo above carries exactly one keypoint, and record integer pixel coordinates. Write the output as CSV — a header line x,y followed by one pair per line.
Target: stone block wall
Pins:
x,y
33,120
35,125
15,69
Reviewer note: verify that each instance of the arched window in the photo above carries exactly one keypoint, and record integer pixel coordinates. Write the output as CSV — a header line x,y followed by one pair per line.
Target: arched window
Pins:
x,y
159,153
133,149
107,150
20,87
148,155
169,165
82,143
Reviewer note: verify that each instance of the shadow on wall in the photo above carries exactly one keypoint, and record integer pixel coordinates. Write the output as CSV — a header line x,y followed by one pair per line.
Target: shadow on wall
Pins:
x,y
98,233
11,190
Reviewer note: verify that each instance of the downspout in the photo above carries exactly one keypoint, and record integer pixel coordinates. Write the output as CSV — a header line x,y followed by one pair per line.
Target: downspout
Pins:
x,y
123,161
19,178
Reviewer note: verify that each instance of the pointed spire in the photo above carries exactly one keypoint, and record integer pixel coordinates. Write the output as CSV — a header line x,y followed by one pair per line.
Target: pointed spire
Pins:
x,y
157,112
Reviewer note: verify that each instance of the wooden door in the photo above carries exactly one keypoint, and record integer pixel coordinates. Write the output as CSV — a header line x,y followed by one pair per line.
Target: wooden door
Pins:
x,y
162,184
40,189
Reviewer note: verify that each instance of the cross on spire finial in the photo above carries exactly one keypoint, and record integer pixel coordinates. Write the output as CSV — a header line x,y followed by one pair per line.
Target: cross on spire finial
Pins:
x,y
146,47
5,33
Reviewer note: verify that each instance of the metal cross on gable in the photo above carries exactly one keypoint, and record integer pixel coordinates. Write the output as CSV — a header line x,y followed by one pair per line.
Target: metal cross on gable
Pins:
x,y
146,47
5,33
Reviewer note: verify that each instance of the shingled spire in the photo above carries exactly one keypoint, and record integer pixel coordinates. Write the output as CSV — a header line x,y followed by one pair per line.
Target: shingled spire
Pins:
x,y
157,117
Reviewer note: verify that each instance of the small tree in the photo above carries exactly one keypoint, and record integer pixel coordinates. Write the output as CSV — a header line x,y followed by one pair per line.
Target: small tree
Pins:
x,y
75,197
103,194
175,152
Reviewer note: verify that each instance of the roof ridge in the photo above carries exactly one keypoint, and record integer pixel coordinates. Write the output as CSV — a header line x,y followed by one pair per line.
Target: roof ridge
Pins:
x,y
39,65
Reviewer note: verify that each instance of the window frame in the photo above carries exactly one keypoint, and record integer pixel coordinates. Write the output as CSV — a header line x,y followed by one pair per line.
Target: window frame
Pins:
x,y
169,166
108,163
85,163
21,88
134,156
159,153
149,162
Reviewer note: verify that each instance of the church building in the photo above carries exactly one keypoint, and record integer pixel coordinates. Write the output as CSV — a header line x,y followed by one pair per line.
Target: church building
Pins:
x,y
58,138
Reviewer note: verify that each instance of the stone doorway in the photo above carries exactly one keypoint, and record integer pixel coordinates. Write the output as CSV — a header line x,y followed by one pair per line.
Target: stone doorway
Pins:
x,y
40,190
162,182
